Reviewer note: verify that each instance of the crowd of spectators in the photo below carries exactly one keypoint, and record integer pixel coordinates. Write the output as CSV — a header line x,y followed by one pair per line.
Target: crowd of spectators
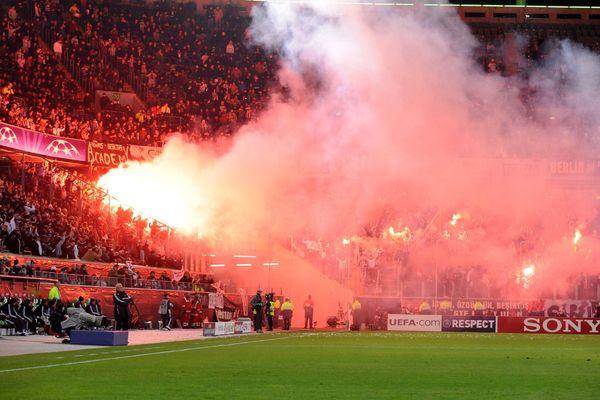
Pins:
x,y
49,211
195,67
126,274
526,44
196,62
34,315
206,87
213,78
26,315
34,92
378,260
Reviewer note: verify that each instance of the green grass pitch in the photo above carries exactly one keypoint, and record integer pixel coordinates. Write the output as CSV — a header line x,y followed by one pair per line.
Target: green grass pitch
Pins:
x,y
318,366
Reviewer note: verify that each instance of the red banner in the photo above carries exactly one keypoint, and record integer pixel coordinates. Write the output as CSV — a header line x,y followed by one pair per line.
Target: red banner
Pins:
x,y
572,326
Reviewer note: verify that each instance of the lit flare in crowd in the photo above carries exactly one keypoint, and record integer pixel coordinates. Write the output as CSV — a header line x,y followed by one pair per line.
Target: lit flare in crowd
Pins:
x,y
527,274
404,234
160,191
455,218
345,242
576,239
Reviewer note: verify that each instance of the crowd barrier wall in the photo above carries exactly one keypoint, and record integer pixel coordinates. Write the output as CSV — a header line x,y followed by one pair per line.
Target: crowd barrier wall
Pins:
x,y
238,327
146,301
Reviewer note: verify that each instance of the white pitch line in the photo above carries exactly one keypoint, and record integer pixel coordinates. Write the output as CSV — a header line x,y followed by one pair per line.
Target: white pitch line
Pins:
x,y
143,354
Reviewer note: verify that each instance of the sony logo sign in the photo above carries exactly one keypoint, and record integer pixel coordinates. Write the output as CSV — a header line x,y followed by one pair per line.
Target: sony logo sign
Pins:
x,y
559,325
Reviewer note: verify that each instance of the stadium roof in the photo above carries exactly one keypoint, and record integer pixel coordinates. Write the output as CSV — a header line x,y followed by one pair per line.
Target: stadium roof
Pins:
x,y
433,3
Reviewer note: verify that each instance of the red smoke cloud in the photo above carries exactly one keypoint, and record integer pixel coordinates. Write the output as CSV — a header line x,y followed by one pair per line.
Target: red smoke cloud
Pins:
x,y
388,112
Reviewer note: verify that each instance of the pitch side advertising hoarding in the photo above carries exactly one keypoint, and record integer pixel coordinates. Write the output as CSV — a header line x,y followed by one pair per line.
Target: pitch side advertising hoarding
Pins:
x,y
468,324
573,326
414,323
241,327
219,328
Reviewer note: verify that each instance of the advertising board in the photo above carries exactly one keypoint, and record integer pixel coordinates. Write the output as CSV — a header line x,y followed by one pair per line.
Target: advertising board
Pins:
x,y
573,326
468,324
414,323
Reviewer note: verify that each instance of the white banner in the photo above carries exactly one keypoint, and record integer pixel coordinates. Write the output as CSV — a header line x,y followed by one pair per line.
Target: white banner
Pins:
x,y
143,153
177,275
243,327
215,300
414,323
570,308
224,328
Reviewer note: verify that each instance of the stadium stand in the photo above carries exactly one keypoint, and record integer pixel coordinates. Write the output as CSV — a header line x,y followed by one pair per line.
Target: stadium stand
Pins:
x,y
219,84
57,54
54,212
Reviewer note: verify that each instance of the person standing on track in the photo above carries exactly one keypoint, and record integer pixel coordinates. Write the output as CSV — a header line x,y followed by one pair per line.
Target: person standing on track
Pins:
x,y
54,293
356,314
186,316
196,318
287,311
309,307
165,311
121,301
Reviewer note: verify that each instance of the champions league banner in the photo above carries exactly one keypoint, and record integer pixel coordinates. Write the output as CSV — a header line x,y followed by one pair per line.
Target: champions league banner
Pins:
x,y
41,144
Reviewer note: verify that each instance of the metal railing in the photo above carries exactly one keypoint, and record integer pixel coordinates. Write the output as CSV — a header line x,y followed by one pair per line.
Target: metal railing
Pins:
x,y
68,60
126,280
110,281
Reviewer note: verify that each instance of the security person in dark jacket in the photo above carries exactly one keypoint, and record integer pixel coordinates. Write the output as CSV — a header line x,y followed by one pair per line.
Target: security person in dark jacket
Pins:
x,y
121,301
257,310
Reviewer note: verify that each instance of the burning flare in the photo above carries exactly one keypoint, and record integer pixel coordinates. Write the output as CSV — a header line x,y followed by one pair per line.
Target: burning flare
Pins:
x,y
576,238
527,274
455,218
404,234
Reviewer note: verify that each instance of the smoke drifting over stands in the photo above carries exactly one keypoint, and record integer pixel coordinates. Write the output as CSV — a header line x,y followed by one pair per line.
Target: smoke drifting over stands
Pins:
x,y
387,121
376,118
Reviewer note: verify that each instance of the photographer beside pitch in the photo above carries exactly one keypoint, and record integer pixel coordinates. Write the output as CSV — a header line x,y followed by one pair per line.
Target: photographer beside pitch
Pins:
x,y
121,301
